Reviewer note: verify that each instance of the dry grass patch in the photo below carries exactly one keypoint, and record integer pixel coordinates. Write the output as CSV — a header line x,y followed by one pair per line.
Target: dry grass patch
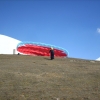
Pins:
x,y
38,78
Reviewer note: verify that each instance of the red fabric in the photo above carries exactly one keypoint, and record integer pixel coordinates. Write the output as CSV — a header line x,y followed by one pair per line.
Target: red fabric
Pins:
x,y
39,50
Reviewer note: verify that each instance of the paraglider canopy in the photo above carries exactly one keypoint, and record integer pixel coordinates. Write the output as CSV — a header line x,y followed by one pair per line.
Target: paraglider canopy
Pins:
x,y
40,49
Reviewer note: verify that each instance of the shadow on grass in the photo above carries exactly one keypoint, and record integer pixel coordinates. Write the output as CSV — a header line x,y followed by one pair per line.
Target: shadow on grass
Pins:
x,y
47,58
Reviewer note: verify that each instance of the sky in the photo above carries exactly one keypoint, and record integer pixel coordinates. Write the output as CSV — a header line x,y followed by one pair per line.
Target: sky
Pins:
x,y
71,24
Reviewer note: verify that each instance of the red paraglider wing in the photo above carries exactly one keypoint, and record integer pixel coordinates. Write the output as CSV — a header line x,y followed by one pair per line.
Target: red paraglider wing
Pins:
x,y
32,49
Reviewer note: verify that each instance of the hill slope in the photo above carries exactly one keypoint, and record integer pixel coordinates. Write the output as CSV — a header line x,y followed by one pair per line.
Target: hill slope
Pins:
x,y
38,78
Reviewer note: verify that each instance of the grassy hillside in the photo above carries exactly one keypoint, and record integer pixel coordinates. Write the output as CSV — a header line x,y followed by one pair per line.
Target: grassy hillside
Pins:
x,y
38,78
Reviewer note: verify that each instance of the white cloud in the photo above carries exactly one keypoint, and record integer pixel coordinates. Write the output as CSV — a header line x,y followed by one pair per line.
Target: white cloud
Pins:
x,y
98,30
98,59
